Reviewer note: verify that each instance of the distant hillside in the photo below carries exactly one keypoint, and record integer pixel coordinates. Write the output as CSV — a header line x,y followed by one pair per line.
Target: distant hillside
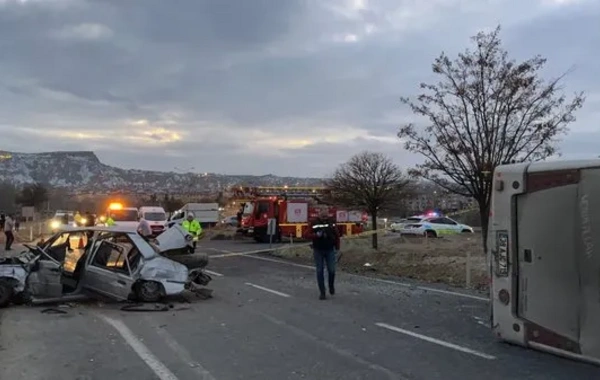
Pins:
x,y
83,172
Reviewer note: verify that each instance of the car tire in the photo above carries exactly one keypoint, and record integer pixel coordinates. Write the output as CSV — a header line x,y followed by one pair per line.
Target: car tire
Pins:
x,y
430,234
465,231
148,291
6,293
22,298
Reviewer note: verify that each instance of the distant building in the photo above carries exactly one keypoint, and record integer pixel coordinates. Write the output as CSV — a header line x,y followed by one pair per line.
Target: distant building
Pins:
x,y
433,197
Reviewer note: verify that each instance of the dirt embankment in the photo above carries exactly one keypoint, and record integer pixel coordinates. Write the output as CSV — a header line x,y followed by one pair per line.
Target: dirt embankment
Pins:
x,y
442,260
221,232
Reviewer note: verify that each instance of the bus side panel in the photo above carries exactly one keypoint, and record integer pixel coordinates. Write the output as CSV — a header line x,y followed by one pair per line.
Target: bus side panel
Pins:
x,y
548,272
588,251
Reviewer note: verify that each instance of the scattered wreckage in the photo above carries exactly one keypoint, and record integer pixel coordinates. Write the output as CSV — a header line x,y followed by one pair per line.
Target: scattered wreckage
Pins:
x,y
114,262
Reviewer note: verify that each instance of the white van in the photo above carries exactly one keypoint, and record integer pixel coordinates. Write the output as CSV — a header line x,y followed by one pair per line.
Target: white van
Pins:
x,y
156,217
123,216
207,214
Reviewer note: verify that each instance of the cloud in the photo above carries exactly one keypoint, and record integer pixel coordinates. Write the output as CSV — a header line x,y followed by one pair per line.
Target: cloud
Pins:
x,y
285,87
84,32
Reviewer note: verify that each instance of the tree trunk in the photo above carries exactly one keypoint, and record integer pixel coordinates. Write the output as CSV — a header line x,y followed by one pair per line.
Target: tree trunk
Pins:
x,y
484,215
374,236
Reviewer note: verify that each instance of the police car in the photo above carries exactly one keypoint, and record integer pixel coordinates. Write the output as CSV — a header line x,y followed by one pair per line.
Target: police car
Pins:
x,y
434,225
397,226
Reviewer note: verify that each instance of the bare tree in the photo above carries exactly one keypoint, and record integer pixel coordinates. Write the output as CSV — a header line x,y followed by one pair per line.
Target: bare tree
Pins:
x,y
486,110
370,181
32,195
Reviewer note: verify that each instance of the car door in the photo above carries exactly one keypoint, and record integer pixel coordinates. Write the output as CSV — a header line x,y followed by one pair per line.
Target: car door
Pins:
x,y
452,226
107,271
45,278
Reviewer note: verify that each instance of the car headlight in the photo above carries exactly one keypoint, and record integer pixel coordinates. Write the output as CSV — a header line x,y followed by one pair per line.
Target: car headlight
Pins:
x,y
83,221
54,224
188,237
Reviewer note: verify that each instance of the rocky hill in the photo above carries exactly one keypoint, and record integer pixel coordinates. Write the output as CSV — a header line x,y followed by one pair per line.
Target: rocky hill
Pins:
x,y
83,172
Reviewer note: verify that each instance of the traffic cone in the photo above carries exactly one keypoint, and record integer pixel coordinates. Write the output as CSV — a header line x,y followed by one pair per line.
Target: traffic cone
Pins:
x,y
80,244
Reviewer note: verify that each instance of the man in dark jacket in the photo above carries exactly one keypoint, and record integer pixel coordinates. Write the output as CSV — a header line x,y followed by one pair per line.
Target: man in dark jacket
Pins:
x,y
90,219
325,243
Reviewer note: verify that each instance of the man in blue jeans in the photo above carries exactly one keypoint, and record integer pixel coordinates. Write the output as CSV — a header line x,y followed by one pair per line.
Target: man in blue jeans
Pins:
x,y
325,243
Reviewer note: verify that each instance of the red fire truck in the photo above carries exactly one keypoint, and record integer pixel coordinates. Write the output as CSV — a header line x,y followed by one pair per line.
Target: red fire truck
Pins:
x,y
292,208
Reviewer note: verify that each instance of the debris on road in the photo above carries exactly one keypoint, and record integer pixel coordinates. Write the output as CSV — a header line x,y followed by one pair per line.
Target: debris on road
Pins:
x,y
145,307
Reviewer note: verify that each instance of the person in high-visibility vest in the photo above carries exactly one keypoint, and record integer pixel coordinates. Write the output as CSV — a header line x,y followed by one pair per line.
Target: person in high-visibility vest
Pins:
x,y
77,218
193,227
110,221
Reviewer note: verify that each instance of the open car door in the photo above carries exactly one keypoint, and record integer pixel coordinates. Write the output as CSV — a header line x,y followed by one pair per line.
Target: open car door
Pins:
x,y
44,281
108,269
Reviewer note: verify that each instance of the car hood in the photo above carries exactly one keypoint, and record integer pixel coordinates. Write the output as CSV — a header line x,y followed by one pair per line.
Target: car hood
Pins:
x,y
160,268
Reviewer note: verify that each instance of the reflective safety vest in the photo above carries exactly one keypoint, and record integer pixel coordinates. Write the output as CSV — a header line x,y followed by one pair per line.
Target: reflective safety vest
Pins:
x,y
192,227
110,221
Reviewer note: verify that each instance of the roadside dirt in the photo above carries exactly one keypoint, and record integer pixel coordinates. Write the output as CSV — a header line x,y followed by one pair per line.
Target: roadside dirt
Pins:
x,y
441,260
221,232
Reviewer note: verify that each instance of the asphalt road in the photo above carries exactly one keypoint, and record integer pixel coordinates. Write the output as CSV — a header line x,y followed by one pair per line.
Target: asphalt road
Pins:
x,y
265,322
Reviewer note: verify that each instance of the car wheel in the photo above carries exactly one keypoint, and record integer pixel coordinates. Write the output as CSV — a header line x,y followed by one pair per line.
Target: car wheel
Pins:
x,y
149,291
6,293
465,231
430,234
22,298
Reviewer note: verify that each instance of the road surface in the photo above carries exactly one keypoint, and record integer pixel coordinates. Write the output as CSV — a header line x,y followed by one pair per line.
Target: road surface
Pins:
x,y
266,323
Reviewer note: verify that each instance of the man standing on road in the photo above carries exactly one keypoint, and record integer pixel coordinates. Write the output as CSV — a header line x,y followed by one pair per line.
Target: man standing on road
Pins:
x,y
9,226
90,219
144,229
192,226
325,243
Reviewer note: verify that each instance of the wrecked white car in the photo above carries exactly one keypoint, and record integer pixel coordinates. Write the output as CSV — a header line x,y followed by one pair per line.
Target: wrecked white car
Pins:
x,y
117,263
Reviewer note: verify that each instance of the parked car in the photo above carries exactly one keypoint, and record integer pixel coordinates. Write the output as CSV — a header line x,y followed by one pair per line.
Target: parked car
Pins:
x,y
61,220
397,226
111,261
435,227
231,221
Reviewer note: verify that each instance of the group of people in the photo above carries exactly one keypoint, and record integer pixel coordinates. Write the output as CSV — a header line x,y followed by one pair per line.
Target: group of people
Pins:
x,y
86,220
8,224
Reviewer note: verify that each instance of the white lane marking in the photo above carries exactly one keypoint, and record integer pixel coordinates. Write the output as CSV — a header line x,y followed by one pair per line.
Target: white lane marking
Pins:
x,y
250,255
451,293
280,262
213,273
447,292
268,290
436,341
183,354
340,351
159,369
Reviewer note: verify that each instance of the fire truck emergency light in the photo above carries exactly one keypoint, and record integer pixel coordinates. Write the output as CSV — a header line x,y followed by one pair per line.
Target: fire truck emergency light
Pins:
x,y
115,206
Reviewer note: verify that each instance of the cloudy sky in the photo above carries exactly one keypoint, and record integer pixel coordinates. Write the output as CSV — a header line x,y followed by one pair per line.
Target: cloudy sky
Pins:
x,y
290,87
